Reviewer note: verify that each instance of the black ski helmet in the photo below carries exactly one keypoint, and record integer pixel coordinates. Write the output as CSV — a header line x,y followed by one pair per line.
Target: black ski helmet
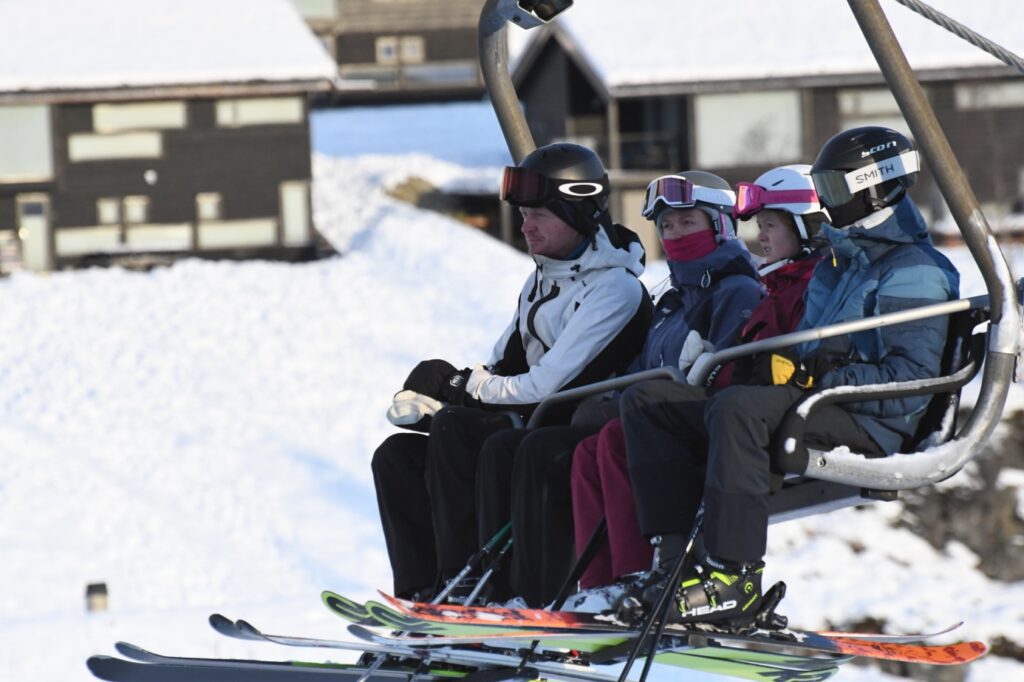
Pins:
x,y
566,178
862,170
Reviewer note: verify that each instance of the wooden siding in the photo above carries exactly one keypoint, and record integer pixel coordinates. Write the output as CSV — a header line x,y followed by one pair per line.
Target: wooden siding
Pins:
x,y
8,217
439,45
246,165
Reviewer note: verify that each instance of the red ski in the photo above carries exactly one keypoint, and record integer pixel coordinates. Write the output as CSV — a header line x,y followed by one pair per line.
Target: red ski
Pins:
x,y
854,644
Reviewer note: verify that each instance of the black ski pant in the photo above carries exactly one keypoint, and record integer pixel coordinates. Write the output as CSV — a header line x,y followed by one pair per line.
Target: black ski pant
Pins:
x,y
741,421
525,476
425,493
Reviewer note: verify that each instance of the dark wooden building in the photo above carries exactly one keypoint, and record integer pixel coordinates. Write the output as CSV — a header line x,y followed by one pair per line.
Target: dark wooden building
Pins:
x,y
737,87
154,138
390,51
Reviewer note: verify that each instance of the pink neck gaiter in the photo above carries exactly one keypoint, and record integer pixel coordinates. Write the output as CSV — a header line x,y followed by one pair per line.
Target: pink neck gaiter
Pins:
x,y
691,246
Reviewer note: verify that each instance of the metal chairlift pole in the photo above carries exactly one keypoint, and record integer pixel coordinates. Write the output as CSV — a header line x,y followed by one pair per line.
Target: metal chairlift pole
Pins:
x,y
1005,330
493,55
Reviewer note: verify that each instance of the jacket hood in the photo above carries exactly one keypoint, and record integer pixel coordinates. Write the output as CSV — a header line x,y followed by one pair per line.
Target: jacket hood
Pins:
x,y
879,232
625,252
730,258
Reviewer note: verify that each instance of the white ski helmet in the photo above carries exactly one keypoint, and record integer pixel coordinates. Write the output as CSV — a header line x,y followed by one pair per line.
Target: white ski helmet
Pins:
x,y
786,188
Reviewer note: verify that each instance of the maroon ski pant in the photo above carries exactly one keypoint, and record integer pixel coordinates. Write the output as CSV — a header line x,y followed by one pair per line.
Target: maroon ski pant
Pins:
x,y
601,488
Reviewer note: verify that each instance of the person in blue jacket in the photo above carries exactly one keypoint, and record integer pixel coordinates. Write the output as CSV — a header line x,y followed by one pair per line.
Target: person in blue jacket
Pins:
x,y
524,475
882,260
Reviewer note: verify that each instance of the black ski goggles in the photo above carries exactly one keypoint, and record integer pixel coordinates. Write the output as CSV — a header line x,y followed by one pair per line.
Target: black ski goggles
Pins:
x,y
524,187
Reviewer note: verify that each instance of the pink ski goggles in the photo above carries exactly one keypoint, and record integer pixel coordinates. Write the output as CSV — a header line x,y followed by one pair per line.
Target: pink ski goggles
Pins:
x,y
751,198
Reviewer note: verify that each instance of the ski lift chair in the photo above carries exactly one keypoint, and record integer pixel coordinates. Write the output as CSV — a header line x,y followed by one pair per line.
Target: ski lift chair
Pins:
x,y
802,492
816,481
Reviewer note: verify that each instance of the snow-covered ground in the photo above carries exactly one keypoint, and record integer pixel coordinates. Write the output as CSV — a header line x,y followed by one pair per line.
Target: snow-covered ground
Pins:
x,y
198,437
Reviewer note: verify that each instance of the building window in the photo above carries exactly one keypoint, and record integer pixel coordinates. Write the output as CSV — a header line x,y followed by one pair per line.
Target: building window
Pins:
x,y
208,206
748,129
112,118
413,50
136,210
108,211
970,96
26,150
870,107
235,113
387,50
90,147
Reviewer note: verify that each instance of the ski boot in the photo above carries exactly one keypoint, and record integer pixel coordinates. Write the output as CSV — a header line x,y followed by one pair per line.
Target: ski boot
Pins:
x,y
715,592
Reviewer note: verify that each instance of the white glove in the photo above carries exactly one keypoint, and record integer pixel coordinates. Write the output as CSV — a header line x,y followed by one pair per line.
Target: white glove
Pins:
x,y
478,376
700,368
409,407
693,347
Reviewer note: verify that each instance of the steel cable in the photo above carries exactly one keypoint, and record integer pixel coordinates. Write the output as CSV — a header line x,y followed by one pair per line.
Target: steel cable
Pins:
x,y
973,37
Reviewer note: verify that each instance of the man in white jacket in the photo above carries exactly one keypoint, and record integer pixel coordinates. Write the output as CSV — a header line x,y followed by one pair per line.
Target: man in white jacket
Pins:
x,y
582,316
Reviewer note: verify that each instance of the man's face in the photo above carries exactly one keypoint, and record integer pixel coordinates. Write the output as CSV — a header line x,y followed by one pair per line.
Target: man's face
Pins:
x,y
548,235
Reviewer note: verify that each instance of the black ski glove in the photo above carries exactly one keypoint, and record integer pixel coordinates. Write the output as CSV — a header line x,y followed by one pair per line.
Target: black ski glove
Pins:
x,y
440,380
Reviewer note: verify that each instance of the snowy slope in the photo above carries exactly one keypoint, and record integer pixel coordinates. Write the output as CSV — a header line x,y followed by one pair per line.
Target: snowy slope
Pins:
x,y
199,438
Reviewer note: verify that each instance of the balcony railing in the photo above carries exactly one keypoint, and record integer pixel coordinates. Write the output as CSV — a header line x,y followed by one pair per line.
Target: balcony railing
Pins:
x,y
446,74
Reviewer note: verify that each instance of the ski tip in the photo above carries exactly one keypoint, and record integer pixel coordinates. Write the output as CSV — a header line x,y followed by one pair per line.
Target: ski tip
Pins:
x,y
395,601
362,633
128,649
99,666
245,627
222,624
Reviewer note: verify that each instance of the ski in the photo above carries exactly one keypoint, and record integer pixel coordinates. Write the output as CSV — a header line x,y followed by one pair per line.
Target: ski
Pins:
x,y
581,641
856,645
463,660
582,644
562,664
246,631
152,667
375,614
234,670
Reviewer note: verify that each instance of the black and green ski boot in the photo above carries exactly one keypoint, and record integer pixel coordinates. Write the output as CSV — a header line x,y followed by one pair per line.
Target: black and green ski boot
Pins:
x,y
718,592
715,592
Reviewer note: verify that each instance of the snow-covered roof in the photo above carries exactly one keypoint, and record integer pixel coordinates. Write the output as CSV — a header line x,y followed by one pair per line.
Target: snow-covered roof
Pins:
x,y
666,42
54,45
